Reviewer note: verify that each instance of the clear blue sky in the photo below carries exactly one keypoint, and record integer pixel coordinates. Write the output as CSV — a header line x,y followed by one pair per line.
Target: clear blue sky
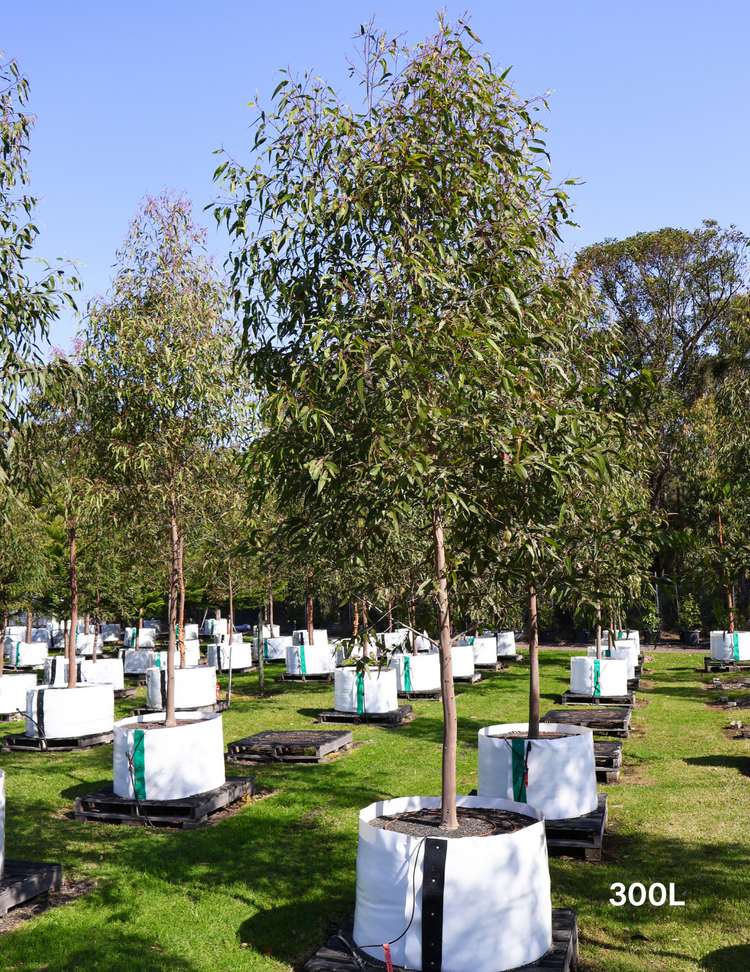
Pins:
x,y
650,105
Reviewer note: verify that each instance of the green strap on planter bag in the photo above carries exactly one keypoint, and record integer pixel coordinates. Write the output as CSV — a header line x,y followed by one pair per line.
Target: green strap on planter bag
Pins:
x,y
597,678
519,770
360,693
302,666
18,653
407,673
736,646
265,648
139,764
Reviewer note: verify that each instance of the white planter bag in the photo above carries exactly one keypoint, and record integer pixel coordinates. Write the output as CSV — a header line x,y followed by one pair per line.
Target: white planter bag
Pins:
x,y
423,642
13,689
26,654
192,655
16,632
561,772
146,640
730,647
2,822
393,639
110,633
274,649
320,637
242,656
625,653
85,644
40,634
136,661
267,632
54,712
168,764
310,659
485,649
193,687
103,671
462,657
624,635
371,692
497,907
591,677
216,626
417,673
192,632
506,643
356,652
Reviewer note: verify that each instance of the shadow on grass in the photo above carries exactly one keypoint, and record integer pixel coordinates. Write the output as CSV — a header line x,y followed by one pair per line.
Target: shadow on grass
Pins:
x,y
740,763
729,959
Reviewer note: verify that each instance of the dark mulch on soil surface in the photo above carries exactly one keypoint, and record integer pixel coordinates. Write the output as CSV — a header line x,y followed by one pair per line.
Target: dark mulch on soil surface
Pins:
x,y
162,724
471,823
525,735
69,891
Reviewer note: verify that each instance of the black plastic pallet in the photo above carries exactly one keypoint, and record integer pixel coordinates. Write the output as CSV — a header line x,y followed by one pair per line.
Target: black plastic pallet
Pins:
x,y
497,666
292,746
237,671
340,954
571,698
711,665
634,685
11,716
222,706
393,718
468,679
432,696
316,677
579,835
103,806
126,693
604,722
608,753
22,881
32,744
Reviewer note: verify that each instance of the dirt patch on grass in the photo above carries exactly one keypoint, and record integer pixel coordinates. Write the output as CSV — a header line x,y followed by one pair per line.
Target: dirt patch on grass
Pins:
x,y
633,772
69,891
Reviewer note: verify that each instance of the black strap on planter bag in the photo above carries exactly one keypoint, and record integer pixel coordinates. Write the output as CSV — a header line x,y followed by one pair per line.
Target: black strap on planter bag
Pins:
x,y
433,886
40,712
163,687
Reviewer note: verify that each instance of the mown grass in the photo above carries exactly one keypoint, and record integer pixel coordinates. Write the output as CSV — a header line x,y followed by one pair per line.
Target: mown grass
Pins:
x,y
260,889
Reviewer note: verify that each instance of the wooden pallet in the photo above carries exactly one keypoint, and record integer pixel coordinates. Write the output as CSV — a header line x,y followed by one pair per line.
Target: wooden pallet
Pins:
x,y
11,716
126,693
338,953
468,679
237,671
318,677
509,658
570,698
711,665
495,666
294,746
32,744
222,706
393,718
579,834
634,685
22,881
608,757
604,722
103,806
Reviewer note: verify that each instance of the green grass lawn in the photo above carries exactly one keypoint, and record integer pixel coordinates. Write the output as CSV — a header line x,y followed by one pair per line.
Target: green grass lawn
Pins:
x,y
261,889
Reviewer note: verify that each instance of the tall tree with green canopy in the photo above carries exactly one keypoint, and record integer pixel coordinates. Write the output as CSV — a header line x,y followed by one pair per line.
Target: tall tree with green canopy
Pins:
x,y
162,398
403,309
671,293
28,303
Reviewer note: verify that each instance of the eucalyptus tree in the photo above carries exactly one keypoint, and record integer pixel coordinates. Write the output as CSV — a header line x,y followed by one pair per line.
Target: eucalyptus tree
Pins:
x,y
28,303
403,310
162,396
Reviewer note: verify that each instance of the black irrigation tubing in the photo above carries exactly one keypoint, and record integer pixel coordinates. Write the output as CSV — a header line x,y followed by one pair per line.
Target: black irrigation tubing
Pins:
x,y
413,903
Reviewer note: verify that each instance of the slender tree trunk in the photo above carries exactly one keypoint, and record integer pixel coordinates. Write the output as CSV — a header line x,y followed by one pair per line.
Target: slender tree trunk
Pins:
x,y
261,670
356,618
73,607
310,628
449,818
599,631
534,665
86,624
413,626
365,622
181,618
390,615
270,603
174,553
29,623
138,626
96,629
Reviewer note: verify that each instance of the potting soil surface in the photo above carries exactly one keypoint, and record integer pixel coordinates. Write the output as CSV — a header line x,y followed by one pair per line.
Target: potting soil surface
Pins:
x,y
162,724
482,822
525,735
